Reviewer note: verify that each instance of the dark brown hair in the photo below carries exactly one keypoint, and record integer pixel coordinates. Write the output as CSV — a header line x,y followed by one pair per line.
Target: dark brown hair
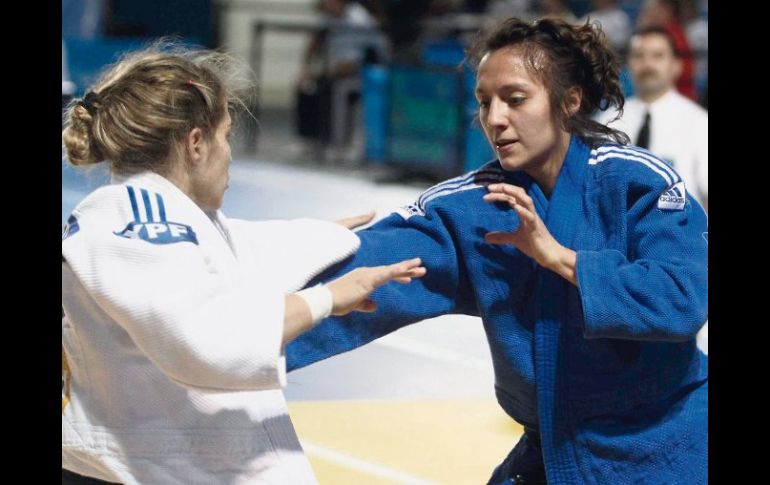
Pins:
x,y
562,56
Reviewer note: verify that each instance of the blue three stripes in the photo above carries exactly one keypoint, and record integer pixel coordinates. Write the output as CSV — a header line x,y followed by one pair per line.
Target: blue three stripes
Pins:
x,y
147,206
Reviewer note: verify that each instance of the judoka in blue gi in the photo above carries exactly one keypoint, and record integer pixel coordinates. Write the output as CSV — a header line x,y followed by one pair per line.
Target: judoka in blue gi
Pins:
x,y
585,258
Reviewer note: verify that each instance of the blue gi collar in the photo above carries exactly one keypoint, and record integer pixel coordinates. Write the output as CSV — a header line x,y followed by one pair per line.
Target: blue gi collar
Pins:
x,y
565,206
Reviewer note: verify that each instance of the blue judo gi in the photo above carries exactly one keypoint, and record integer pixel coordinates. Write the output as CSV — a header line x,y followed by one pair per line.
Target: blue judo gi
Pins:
x,y
607,374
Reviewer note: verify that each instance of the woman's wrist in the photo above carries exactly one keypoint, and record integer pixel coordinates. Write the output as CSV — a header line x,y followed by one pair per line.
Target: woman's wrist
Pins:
x,y
319,300
564,263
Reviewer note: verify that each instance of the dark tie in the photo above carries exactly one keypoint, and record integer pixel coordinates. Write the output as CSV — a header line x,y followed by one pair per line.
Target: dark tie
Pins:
x,y
643,138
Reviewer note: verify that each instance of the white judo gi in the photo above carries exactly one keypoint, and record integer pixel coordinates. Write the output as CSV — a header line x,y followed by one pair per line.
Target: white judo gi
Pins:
x,y
171,337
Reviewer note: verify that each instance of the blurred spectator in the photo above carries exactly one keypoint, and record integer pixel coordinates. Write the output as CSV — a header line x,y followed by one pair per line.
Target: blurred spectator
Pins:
x,y
443,7
613,20
82,18
376,8
331,69
403,26
67,86
475,6
555,9
191,20
668,14
697,30
696,26
499,10
657,117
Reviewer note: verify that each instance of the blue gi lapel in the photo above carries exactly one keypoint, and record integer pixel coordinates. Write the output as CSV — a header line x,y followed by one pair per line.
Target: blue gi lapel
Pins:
x,y
565,208
564,212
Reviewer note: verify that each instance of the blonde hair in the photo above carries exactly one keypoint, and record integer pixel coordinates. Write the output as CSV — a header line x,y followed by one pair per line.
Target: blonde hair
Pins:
x,y
144,106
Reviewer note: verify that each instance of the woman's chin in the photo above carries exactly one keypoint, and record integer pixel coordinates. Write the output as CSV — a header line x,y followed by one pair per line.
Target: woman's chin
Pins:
x,y
511,163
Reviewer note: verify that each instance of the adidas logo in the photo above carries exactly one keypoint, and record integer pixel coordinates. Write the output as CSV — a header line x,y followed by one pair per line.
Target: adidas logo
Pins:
x,y
413,209
408,211
673,198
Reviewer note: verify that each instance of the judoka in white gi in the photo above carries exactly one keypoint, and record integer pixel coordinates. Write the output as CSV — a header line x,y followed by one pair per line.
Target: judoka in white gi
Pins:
x,y
175,317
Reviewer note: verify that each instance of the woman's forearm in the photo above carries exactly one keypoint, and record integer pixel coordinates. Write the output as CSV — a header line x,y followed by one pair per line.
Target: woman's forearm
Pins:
x,y
564,264
296,319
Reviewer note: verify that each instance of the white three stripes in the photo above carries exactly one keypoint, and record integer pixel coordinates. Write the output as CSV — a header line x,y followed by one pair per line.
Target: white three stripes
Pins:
x,y
656,165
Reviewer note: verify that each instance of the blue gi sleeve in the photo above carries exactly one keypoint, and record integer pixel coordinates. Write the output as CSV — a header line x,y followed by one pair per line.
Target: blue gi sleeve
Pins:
x,y
444,289
658,289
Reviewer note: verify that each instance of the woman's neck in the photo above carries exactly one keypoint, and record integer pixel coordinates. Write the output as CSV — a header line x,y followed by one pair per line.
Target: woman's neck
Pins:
x,y
178,175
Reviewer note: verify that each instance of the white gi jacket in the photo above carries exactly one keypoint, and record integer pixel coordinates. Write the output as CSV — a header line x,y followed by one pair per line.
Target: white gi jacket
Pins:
x,y
171,337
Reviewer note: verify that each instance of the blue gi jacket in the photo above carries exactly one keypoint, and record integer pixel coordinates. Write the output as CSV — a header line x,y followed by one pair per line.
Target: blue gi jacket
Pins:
x,y
608,372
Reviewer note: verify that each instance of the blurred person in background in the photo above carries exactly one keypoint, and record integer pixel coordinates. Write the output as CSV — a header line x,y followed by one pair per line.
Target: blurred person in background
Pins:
x,y
697,30
475,6
658,117
67,86
501,9
332,62
668,14
555,9
403,24
613,20
584,258
338,49
83,19
175,317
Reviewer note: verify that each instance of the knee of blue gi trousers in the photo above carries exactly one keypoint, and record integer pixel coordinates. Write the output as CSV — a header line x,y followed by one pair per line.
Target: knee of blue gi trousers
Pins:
x,y
523,465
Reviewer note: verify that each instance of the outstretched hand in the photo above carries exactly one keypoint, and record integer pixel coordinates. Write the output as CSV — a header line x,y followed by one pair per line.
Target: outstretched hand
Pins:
x,y
351,291
356,221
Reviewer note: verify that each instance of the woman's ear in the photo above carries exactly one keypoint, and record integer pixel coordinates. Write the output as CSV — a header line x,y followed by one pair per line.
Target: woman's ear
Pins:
x,y
572,101
195,146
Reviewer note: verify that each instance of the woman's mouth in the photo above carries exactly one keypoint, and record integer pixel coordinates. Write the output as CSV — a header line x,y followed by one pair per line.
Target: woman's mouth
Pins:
x,y
505,146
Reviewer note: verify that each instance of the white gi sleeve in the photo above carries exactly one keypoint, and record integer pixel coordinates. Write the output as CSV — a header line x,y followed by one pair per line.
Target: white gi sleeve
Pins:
x,y
293,252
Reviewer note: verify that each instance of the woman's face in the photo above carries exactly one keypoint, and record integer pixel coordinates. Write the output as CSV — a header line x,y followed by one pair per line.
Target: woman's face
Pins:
x,y
515,112
212,177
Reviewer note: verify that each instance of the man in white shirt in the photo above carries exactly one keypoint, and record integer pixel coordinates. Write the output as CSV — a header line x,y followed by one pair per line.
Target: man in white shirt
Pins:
x,y
660,119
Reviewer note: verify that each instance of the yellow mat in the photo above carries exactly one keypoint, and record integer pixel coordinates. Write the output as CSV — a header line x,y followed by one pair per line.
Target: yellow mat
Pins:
x,y
386,442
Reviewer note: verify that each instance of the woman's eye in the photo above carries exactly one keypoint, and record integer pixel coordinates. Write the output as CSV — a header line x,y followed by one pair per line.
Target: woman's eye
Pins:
x,y
516,101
